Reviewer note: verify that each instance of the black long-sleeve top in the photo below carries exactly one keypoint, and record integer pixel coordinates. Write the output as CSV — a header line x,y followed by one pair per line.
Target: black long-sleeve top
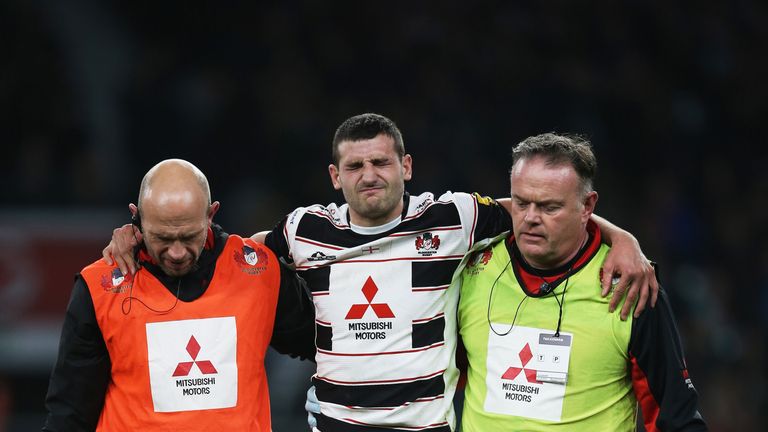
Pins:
x,y
81,375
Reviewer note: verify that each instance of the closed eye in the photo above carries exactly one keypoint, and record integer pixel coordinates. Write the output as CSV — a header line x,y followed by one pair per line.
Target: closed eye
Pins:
x,y
520,203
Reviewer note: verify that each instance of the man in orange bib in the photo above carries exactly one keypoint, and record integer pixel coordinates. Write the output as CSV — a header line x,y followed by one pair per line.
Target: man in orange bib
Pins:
x,y
180,344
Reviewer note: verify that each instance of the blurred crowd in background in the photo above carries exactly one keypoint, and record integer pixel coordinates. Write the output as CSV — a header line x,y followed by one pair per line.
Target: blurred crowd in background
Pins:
x,y
671,94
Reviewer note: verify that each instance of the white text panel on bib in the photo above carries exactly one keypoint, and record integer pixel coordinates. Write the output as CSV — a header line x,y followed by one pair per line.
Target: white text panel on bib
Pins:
x,y
518,368
193,364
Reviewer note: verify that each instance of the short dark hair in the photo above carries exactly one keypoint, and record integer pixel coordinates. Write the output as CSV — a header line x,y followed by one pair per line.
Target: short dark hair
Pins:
x,y
367,126
557,149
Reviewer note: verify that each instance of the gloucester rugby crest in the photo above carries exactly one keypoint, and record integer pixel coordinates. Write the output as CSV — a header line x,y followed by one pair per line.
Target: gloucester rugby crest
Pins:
x,y
116,282
251,260
479,260
427,244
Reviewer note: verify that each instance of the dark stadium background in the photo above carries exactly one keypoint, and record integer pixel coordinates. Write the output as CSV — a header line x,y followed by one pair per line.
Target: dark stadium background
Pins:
x,y
672,94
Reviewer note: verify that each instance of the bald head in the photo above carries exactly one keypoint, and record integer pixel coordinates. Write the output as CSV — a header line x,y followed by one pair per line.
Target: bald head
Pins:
x,y
174,180
176,212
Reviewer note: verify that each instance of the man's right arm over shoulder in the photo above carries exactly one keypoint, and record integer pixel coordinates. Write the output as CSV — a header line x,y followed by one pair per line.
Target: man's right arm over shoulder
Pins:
x,y
294,332
276,241
81,375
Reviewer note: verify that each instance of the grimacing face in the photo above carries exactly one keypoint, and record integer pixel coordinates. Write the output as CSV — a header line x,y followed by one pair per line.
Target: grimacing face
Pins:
x,y
549,211
175,239
372,178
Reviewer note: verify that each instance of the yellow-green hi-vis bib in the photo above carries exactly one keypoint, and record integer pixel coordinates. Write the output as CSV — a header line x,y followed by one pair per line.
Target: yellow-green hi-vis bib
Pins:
x,y
523,377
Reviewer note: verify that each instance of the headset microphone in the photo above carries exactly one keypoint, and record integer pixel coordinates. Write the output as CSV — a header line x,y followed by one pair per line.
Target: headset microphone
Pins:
x,y
545,288
136,220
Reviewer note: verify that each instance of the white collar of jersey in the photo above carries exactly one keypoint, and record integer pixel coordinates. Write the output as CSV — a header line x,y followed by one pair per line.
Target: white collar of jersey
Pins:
x,y
375,229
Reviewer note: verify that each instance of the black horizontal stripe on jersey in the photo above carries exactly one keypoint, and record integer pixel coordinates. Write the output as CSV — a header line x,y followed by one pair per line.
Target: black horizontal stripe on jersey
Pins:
x,y
318,279
428,333
380,353
328,424
323,336
432,273
379,395
320,229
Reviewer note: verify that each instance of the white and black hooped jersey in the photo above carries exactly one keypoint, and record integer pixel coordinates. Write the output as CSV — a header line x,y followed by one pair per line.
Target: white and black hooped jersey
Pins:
x,y
385,320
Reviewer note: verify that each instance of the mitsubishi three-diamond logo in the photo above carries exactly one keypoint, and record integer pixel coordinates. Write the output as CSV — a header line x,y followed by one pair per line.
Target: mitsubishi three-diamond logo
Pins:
x,y
525,355
381,310
205,366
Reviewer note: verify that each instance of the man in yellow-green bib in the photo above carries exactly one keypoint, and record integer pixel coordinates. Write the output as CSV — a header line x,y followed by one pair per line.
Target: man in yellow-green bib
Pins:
x,y
543,352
